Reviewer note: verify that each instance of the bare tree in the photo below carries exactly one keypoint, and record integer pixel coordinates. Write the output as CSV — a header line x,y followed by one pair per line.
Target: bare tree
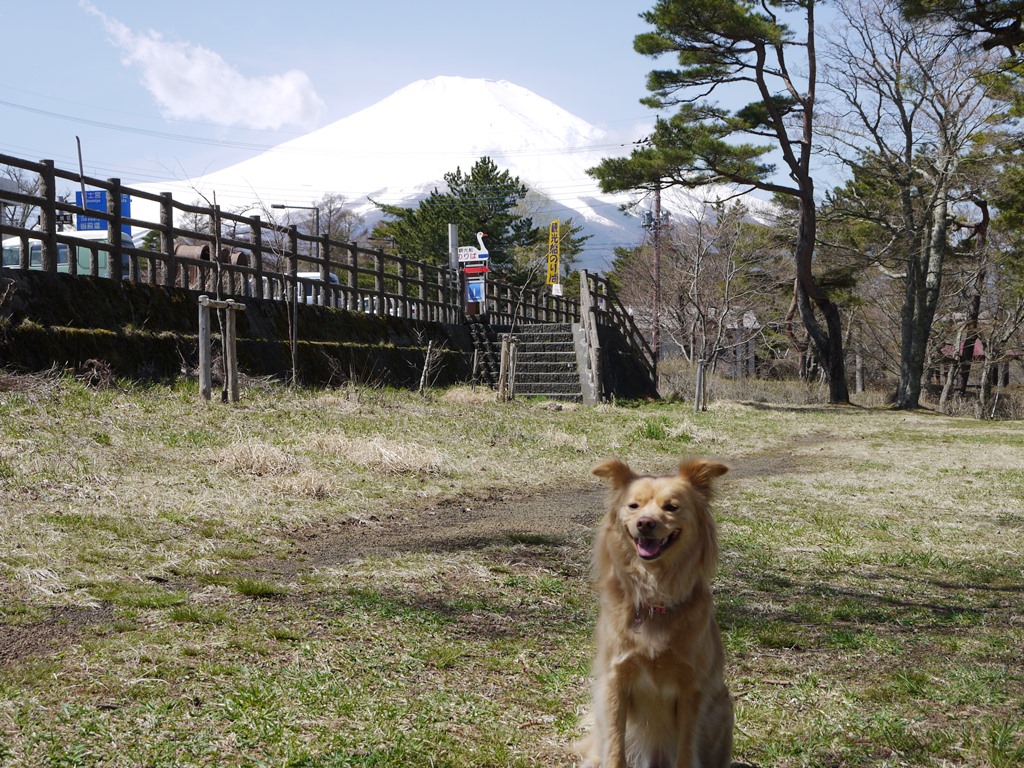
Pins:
x,y
986,316
719,278
711,286
15,214
340,222
911,104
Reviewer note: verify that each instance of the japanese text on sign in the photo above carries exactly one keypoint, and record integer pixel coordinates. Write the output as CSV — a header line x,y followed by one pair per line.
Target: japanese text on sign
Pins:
x,y
554,242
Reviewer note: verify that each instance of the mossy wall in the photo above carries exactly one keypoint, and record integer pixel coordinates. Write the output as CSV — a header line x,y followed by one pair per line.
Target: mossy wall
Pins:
x,y
151,332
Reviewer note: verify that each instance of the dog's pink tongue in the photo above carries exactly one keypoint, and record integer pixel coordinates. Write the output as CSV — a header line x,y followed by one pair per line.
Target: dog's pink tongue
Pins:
x,y
648,547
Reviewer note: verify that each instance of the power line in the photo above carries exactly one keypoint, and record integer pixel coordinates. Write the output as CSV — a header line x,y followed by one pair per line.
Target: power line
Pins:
x,y
361,153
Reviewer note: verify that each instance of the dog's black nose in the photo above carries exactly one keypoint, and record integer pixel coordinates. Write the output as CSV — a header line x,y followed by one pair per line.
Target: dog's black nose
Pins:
x,y
646,524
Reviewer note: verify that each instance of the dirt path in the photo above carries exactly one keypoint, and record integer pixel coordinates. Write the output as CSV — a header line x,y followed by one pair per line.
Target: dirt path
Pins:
x,y
561,516
568,515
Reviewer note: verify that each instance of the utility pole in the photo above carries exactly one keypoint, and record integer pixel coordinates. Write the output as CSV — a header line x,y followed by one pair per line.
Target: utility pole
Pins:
x,y
656,308
652,221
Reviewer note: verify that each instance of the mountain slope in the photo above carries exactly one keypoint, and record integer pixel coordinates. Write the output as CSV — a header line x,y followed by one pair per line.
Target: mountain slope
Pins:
x,y
399,149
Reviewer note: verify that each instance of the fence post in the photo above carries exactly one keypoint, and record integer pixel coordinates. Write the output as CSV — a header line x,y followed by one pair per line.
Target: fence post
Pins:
x,y
256,238
48,216
403,288
324,250
167,238
293,294
230,353
115,259
588,319
378,282
421,307
205,374
352,281
445,313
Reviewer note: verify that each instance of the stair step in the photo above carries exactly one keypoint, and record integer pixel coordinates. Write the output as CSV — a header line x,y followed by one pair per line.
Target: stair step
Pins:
x,y
545,340
545,349
554,357
540,371
546,364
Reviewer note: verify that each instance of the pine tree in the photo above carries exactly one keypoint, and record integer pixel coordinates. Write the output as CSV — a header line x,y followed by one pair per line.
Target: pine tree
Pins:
x,y
484,200
721,45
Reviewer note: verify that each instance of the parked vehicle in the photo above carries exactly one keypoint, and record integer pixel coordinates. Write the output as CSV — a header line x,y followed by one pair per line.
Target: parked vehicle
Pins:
x,y
309,288
12,253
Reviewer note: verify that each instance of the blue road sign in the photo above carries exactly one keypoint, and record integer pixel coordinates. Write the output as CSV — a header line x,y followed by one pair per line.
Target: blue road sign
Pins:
x,y
96,200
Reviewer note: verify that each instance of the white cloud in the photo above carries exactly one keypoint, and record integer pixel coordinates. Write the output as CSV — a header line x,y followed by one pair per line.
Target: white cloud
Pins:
x,y
190,82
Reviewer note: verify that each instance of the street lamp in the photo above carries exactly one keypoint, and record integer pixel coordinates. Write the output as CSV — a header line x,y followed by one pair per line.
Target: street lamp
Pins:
x,y
316,220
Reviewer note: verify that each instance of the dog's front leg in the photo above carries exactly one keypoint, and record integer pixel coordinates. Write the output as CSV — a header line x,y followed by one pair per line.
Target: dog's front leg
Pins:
x,y
615,707
687,711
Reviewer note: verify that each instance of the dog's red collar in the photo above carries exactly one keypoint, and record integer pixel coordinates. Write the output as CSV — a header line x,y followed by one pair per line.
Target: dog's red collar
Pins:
x,y
646,611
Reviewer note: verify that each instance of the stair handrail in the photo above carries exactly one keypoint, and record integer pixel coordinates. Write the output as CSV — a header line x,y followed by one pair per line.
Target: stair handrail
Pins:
x,y
588,320
608,309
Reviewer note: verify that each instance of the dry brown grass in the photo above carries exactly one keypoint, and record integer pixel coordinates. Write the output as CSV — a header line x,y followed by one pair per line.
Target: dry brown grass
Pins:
x,y
386,456
869,590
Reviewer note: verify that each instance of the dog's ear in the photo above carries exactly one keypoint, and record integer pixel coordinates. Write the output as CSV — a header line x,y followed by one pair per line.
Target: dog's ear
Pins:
x,y
701,473
617,472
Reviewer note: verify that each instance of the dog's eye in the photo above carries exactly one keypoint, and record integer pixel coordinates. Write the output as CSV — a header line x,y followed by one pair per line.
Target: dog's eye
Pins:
x,y
633,505
670,507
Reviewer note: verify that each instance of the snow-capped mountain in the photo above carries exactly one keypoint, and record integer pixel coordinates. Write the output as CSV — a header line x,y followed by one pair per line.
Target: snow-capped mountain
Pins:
x,y
399,149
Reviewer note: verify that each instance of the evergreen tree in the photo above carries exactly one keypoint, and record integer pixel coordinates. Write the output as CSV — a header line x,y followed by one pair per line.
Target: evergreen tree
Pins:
x,y
484,200
998,23
719,44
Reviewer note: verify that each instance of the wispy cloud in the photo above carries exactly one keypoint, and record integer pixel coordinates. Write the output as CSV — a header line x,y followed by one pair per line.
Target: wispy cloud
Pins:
x,y
190,82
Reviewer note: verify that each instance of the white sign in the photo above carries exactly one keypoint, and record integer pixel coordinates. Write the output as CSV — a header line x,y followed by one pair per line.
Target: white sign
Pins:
x,y
471,253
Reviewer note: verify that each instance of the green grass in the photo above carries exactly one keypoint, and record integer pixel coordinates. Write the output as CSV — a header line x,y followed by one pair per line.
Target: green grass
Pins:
x,y
869,587
258,588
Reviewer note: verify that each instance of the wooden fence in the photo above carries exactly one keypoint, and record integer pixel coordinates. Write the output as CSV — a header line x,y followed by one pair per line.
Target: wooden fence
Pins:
x,y
237,256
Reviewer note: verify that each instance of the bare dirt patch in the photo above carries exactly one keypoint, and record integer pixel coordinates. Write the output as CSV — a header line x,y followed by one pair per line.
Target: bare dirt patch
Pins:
x,y
559,516
556,518
59,627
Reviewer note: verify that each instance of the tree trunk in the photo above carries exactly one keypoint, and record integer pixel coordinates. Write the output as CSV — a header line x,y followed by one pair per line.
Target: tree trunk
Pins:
x,y
924,281
951,373
983,407
827,343
965,352
913,326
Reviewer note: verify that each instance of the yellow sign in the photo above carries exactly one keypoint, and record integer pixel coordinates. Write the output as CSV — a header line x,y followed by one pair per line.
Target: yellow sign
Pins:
x,y
554,244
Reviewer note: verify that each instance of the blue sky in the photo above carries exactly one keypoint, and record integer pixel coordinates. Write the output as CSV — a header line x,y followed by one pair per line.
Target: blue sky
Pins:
x,y
158,90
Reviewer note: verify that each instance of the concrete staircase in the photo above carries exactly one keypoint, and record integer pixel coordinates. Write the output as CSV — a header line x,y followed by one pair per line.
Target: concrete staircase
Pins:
x,y
545,363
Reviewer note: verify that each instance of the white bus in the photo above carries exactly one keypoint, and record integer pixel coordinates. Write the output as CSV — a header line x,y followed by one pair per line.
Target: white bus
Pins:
x,y
12,253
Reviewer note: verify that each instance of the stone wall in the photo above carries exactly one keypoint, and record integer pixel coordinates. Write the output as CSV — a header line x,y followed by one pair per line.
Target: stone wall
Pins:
x,y
150,332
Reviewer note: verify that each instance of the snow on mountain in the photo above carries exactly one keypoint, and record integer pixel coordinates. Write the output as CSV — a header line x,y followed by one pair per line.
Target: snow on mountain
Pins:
x,y
399,149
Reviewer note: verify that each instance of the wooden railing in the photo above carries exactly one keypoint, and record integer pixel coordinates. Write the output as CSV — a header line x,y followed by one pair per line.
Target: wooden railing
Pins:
x,y
237,256
608,310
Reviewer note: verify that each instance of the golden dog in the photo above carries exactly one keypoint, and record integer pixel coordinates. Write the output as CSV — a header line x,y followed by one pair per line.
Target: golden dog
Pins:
x,y
659,698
